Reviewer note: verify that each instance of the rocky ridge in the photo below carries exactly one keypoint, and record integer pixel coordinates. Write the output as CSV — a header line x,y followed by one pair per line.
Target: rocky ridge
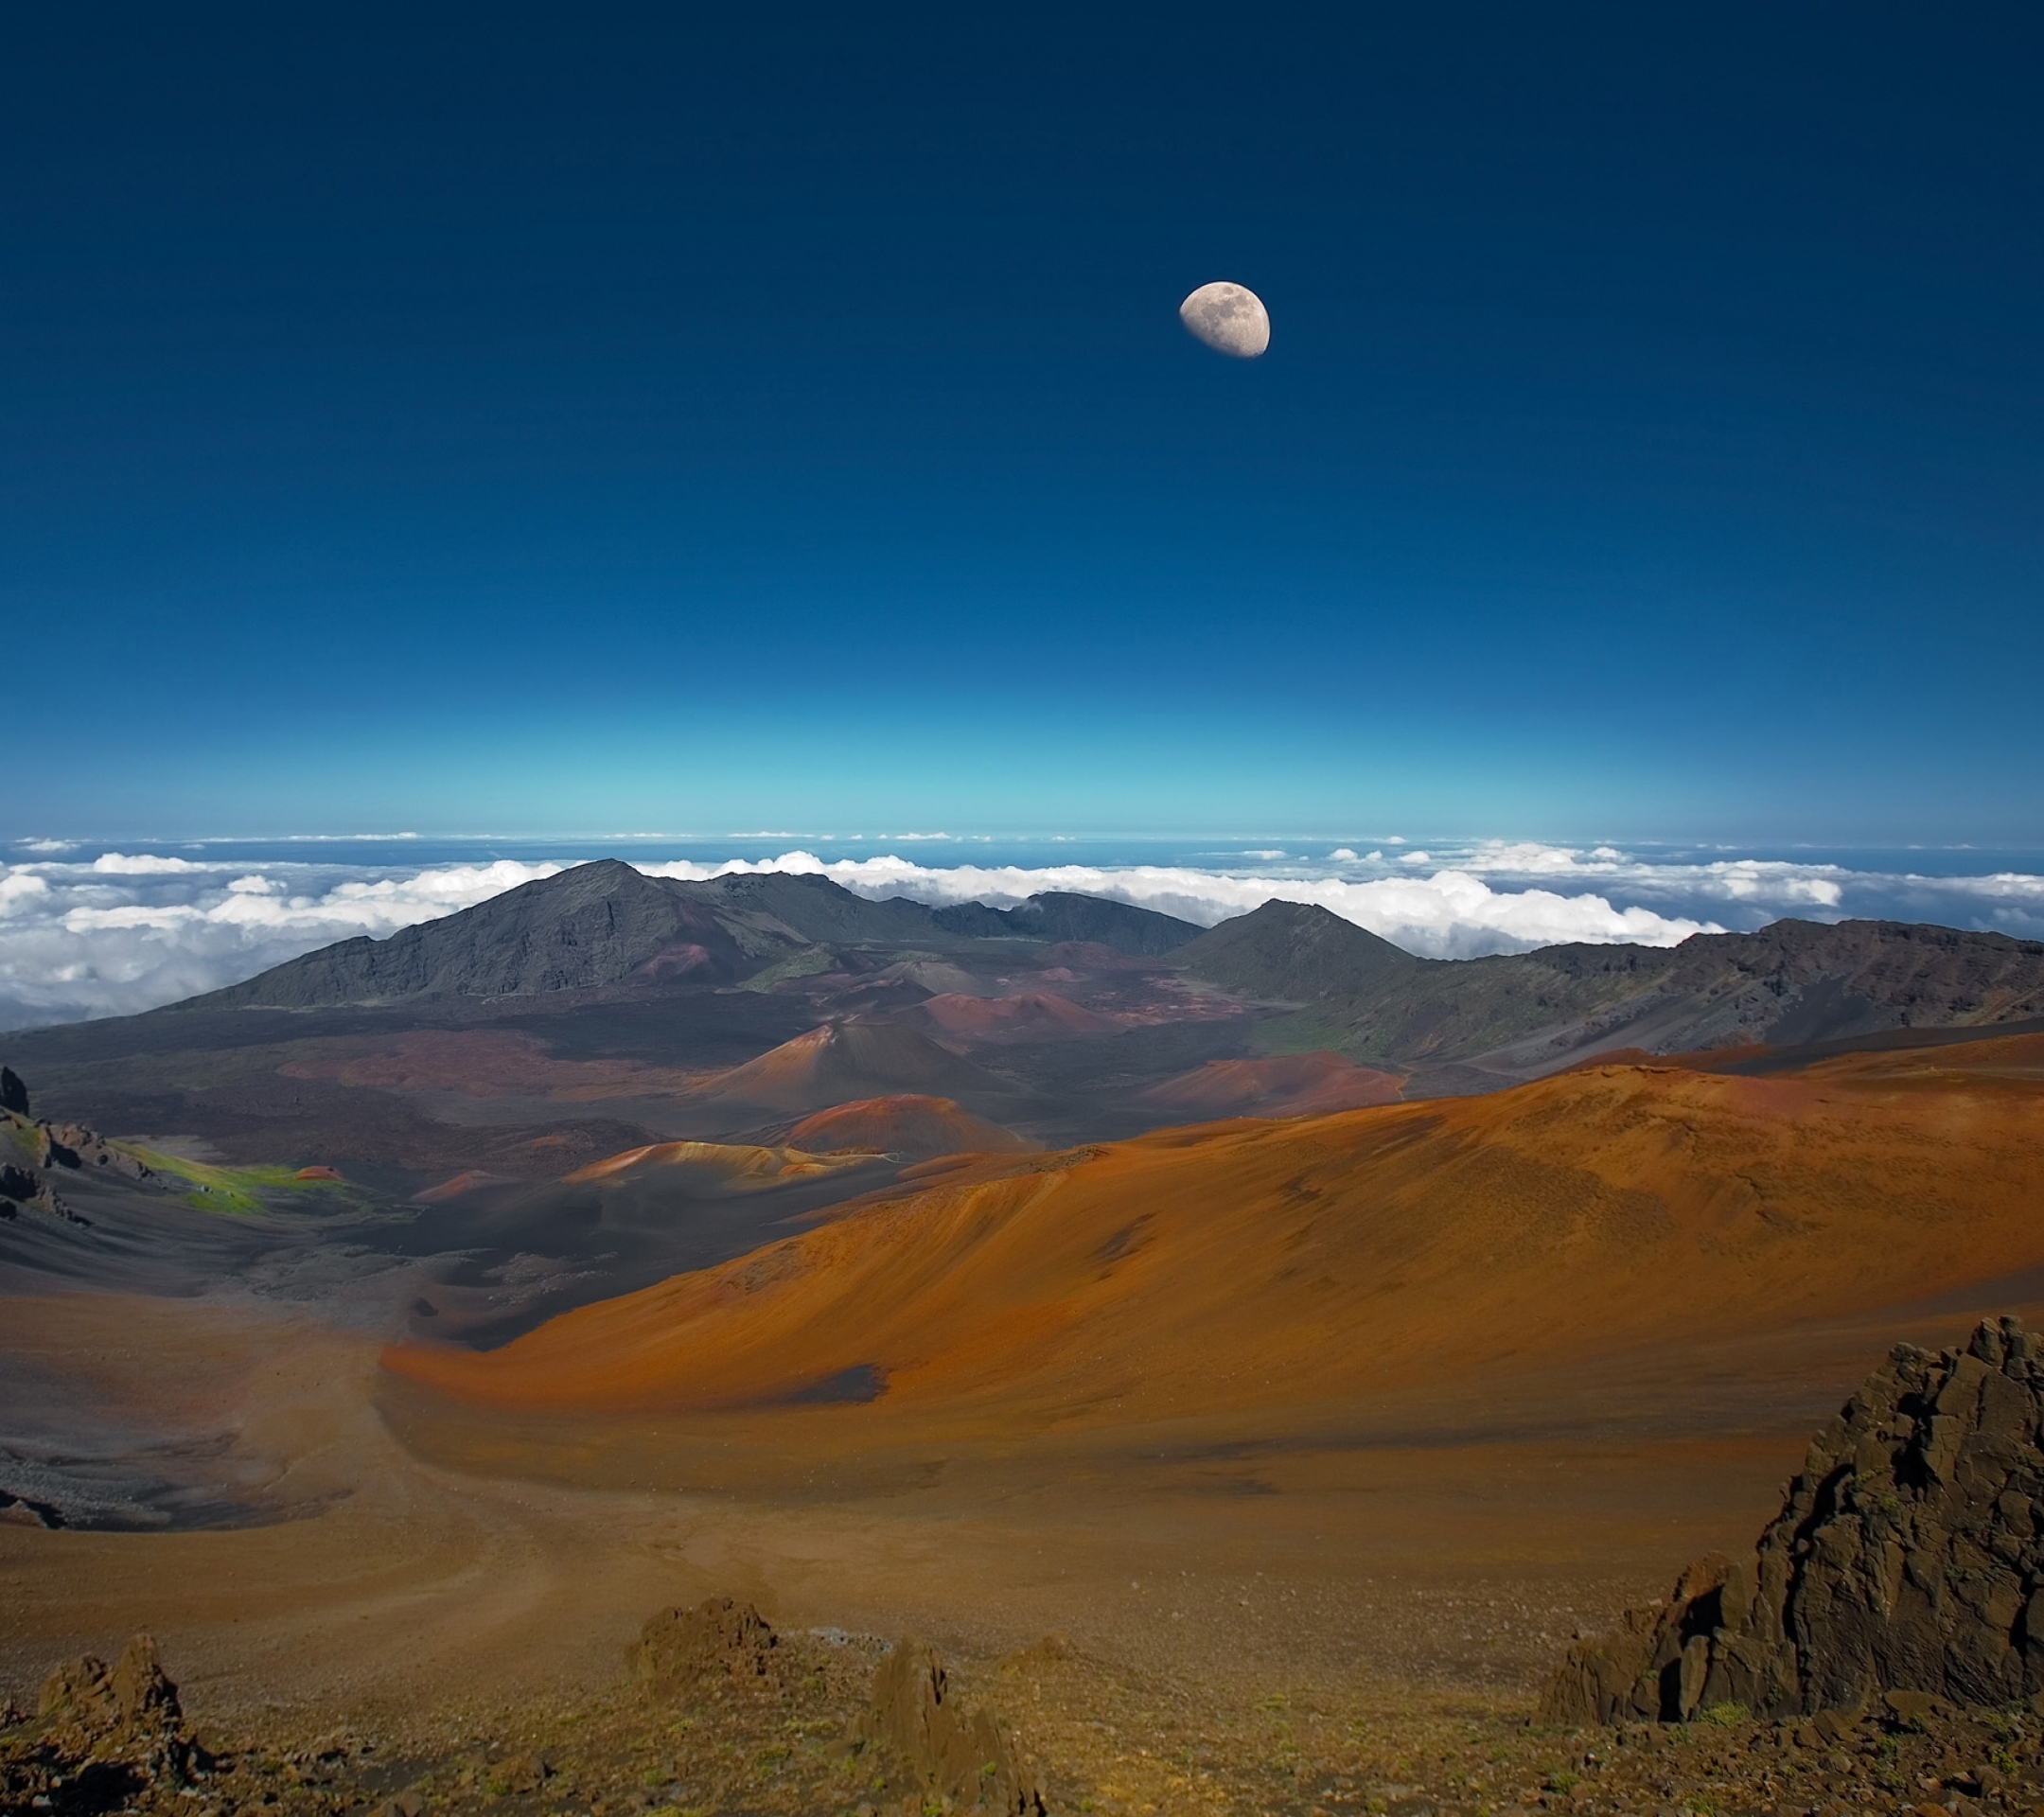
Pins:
x,y
41,1144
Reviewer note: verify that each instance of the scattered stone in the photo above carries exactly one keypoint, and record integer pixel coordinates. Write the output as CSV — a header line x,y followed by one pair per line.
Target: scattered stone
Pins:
x,y
18,1185
1906,1558
528,1773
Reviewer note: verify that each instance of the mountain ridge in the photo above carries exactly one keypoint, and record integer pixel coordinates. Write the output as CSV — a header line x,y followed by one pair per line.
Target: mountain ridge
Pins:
x,y
1521,1015
606,924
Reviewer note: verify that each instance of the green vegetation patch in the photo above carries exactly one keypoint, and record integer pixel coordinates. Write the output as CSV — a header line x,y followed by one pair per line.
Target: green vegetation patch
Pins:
x,y
239,1192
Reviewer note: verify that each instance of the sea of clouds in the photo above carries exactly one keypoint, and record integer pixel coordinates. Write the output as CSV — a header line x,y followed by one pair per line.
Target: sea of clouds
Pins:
x,y
119,932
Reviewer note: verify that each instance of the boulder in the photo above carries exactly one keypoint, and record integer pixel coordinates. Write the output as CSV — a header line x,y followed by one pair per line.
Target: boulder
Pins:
x,y
13,1094
719,1638
1908,1557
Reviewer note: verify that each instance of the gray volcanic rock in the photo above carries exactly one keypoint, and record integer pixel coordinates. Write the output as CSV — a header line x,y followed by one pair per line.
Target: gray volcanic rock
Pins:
x,y
1908,1557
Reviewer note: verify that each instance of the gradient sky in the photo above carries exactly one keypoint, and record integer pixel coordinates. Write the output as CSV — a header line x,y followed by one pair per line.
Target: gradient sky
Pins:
x,y
704,419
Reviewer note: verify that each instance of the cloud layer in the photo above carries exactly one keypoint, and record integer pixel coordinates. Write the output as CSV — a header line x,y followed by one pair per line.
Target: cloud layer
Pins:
x,y
122,931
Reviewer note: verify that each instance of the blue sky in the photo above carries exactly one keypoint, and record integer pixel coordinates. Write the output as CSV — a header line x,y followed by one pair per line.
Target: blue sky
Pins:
x,y
550,420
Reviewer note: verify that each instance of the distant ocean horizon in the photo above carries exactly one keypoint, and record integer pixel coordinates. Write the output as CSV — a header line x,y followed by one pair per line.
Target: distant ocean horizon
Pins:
x,y
92,929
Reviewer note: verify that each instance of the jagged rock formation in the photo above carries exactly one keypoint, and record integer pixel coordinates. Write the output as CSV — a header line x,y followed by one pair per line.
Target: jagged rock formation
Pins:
x,y
1908,1556
133,1696
130,1708
18,1186
967,1757
67,1146
75,1146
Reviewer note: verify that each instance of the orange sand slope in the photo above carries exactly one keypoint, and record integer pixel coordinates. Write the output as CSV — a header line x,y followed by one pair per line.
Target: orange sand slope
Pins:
x,y
734,1166
1296,1085
1281,1265
906,1123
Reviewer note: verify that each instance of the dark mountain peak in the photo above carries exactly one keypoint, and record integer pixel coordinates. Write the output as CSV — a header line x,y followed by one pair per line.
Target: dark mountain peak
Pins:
x,y
817,908
594,925
1296,952
1061,915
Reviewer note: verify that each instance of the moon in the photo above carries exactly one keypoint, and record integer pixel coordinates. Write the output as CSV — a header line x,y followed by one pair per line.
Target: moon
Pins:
x,y
1229,318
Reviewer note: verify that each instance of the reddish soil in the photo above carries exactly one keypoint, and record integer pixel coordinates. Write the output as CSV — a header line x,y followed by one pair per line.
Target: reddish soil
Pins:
x,y
1300,1085
906,1123
1035,1016
731,1166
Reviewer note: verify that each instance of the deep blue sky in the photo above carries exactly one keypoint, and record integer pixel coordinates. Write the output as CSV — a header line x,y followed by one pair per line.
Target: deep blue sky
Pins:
x,y
706,418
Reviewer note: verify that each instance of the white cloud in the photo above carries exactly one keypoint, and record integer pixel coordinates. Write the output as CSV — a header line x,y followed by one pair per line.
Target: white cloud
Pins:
x,y
50,846
105,940
19,887
1342,854
1451,914
146,865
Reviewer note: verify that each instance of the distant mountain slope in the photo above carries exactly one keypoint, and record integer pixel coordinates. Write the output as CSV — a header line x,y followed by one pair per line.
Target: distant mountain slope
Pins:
x,y
1283,1265
1298,952
1526,1012
820,912
604,924
1294,1084
908,1123
846,1061
583,929
1059,915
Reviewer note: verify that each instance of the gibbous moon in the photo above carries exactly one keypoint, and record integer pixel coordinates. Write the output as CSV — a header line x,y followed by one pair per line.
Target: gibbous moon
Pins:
x,y
1229,318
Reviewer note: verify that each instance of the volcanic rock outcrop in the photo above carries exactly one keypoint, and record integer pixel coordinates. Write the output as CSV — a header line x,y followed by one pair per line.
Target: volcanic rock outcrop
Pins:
x,y
913,1728
967,1759
129,1710
1908,1556
719,1638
